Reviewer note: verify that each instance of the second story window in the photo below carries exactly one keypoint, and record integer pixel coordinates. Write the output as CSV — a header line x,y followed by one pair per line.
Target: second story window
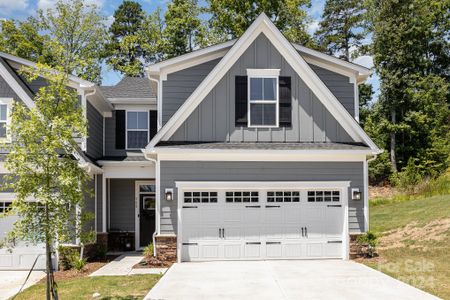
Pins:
x,y
262,98
3,120
137,129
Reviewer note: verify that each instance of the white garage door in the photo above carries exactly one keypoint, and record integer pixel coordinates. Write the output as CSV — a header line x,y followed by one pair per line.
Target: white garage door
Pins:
x,y
22,255
224,224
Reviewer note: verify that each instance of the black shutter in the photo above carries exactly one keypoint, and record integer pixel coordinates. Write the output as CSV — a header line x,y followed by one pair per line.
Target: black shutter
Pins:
x,y
285,112
153,123
120,129
241,101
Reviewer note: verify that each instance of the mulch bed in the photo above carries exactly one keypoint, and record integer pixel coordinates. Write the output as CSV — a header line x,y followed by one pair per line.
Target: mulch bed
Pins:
x,y
152,262
71,274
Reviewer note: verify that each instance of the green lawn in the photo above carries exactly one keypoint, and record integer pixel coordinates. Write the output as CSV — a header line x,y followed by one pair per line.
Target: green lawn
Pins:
x,y
109,287
419,254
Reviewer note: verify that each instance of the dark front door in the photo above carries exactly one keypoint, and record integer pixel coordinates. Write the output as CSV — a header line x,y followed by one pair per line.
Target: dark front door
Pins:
x,y
147,205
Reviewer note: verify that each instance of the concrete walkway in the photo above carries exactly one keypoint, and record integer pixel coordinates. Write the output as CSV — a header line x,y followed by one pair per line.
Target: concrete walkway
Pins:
x,y
11,281
283,279
123,265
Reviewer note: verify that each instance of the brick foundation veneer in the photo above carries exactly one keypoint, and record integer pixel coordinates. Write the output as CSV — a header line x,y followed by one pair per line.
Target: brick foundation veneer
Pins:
x,y
356,250
166,248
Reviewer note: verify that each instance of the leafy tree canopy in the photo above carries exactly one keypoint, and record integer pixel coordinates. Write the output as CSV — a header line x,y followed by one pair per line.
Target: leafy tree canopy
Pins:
x,y
231,18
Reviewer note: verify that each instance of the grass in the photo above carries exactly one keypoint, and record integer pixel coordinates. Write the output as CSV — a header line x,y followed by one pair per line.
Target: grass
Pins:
x,y
415,259
109,287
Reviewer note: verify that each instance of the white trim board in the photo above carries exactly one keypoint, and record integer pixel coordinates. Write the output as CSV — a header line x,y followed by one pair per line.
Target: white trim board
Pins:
x,y
265,26
17,88
261,155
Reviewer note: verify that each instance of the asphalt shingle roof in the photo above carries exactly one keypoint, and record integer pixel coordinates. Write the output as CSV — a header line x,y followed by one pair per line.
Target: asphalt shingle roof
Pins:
x,y
131,87
263,146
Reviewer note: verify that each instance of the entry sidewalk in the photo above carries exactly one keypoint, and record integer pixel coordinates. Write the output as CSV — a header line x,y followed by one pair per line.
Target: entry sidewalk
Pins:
x,y
123,265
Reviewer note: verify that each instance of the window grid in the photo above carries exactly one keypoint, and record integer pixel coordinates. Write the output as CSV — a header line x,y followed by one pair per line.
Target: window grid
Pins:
x,y
200,197
241,196
3,119
133,130
323,196
265,103
283,196
5,206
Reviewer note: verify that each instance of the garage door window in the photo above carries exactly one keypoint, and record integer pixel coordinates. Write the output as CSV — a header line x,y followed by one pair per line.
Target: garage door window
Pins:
x,y
200,197
241,196
323,196
5,207
283,196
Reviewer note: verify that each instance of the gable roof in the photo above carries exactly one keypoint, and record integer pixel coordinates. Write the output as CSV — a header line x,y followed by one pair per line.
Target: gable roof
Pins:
x,y
131,88
263,25
73,80
218,51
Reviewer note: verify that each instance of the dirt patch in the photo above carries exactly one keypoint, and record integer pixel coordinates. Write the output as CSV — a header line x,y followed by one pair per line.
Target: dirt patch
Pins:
x,y
385,191
70,274
433,231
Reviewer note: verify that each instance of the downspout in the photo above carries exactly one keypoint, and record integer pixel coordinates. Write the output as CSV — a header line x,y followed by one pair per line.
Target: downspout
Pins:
x,y
154,233
152,159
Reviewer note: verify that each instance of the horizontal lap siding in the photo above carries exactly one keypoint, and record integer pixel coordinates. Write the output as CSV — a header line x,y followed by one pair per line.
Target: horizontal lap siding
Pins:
x,y
99,203
172,171
89,204
121,193
110,137
339,85
95,132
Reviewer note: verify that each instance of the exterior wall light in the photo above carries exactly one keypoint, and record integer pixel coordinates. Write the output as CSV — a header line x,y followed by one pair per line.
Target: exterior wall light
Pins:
x,y
169,194
356,194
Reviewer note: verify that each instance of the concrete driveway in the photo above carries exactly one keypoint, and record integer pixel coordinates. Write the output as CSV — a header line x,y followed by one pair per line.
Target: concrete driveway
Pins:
x,y
11,281
284,279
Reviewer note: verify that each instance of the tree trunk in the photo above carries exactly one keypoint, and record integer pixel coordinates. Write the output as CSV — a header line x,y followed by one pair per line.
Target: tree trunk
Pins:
x,y
51,290
393,142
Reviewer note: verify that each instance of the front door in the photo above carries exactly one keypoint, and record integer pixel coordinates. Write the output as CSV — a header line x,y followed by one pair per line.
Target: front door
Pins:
x,y
146,212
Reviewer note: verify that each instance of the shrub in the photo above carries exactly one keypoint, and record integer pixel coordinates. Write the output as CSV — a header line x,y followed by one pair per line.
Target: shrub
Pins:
x,y
68,257
149,250
79,263
371,240
408,178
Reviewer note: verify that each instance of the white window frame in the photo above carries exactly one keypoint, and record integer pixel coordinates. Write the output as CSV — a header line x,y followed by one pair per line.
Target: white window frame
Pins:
x,y
126,127
263,73
8,103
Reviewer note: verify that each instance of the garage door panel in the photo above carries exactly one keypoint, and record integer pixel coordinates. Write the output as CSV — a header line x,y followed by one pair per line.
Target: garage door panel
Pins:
x,y
252,233
232,251
292,232
190,252
274,250
252,250
6,260
210,251
264,228
294,250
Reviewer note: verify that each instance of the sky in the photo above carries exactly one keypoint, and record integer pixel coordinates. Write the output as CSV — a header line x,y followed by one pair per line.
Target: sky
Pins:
x,y
21,9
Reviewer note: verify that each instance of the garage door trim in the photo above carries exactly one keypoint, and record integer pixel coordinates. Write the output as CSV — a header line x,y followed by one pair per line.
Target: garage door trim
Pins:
x,y
262,185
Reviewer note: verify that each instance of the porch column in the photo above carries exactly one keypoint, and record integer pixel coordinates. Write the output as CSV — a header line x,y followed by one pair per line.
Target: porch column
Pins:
x,y
104,203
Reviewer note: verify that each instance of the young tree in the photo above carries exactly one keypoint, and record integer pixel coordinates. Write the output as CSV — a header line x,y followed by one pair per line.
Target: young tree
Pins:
x,y
231,18
42,166
126,48
184,30
342,27
76,31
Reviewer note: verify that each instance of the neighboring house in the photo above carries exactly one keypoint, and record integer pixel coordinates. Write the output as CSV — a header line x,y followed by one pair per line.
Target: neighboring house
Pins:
x,y
250,149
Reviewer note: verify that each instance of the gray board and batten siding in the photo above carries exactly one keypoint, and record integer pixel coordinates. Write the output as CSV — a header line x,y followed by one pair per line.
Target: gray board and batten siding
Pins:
x,y
261,54
214,118
173,171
